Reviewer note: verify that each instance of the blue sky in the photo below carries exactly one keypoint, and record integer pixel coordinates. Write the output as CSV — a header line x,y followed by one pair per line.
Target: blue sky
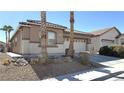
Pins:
x,y
84,21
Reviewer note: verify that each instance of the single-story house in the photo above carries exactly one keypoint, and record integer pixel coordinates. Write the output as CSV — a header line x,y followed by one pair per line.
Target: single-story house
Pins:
x,y
26,38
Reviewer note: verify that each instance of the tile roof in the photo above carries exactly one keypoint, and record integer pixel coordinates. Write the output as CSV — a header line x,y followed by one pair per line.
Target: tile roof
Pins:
x,y
101,31
37,22
93,33
80,32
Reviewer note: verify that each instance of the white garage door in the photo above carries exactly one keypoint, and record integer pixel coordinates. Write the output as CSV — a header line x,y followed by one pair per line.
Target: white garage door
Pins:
x,y
79,47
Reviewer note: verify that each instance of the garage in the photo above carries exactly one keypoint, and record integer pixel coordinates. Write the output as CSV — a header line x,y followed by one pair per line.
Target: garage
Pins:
x,y
80,45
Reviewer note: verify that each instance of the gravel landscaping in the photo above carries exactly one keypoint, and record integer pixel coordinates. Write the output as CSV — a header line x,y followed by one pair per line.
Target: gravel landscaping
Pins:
x,y
13,73
31,72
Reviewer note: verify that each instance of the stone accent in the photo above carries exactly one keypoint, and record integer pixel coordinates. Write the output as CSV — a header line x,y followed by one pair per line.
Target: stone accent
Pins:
x,y
92,50
34,61
68,59
84,58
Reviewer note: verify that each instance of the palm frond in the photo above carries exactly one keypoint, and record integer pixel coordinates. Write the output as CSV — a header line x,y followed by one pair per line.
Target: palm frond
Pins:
x,y
7,28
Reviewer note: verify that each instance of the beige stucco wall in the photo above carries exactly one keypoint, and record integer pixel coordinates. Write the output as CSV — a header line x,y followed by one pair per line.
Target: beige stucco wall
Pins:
x,y
25,33
120,40
33,48
96,44
17,48
25,47
35,32
29,41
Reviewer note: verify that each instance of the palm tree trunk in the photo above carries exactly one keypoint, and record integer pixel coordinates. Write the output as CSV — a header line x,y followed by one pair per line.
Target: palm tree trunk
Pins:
x,y
43,38
9,40
71,45
6,42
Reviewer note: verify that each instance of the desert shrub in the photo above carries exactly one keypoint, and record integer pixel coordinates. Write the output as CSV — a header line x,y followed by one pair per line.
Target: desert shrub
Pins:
x,y
116,51
121,51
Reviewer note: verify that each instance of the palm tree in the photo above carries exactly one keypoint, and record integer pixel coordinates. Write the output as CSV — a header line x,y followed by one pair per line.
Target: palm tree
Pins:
x,y
7,29
10,28
71,44
43,38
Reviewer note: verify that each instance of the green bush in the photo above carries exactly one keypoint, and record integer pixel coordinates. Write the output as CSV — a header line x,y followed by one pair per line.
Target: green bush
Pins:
x,y
116,51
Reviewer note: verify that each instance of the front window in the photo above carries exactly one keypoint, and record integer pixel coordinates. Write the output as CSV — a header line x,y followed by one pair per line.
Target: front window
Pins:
x,y
51,38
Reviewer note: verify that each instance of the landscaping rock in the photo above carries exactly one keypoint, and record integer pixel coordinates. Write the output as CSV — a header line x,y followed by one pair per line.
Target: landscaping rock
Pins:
x,y
6,62
68,59
34,60
5,59
21,62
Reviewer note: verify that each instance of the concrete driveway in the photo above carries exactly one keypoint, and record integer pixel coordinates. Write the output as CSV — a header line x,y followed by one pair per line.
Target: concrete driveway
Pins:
x,y
108,61
114,71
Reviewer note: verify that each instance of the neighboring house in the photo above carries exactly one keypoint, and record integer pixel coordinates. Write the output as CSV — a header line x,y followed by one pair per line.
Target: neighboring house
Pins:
x,y
107,36
26,39
120,39
2,46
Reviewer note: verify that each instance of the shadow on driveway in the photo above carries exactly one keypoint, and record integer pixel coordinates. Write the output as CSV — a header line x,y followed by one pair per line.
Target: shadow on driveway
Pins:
x,y
100,58
111,75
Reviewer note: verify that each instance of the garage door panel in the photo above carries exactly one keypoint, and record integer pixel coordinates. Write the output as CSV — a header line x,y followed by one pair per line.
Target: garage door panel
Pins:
x,y
79,47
